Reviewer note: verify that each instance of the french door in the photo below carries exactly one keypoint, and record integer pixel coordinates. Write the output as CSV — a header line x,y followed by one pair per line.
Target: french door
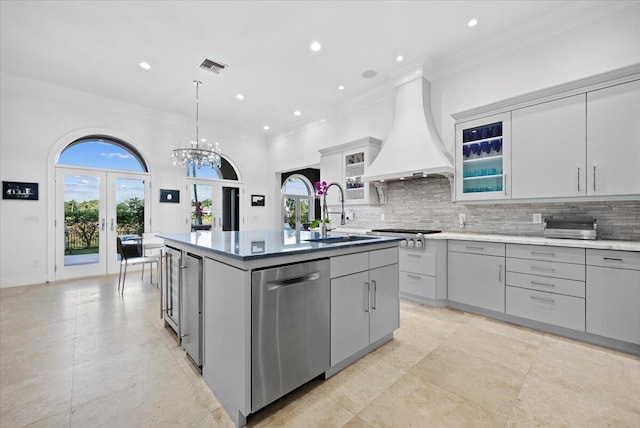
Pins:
x,y
214,205
296,211
93,207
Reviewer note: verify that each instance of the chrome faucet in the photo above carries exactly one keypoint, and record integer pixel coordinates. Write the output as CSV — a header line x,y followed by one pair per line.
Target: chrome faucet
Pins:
x,y
326,212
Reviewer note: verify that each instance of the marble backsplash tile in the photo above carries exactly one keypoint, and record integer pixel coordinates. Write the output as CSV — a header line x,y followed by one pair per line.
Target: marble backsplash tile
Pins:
x,y
426,203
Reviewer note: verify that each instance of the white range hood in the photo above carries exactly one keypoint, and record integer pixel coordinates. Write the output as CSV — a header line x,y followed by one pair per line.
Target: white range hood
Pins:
x,y
413,147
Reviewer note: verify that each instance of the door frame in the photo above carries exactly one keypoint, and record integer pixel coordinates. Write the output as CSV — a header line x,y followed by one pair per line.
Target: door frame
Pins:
x,y
216,189
107,265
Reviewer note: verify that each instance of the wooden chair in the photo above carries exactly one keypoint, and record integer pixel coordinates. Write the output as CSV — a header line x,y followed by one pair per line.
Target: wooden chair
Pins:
x,y
130,256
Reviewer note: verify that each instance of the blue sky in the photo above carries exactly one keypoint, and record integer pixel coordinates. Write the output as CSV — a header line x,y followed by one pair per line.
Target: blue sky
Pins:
x,y
100,154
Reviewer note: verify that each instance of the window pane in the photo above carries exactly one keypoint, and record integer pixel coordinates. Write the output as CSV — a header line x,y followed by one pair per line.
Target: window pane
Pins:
x,y
295,186
100,154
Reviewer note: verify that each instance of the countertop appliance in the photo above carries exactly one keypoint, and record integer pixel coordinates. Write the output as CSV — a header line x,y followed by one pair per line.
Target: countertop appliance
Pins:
x,y
413,238
570,228
290,328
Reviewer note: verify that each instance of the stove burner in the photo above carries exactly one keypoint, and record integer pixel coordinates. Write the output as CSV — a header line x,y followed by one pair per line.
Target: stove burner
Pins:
x,y
410,231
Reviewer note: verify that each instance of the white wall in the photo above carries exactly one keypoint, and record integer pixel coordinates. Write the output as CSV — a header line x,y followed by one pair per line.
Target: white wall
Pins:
x,y
593,47
39,119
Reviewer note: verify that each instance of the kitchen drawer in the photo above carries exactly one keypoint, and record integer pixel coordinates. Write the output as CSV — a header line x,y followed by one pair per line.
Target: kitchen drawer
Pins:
x,y
379,258
543,252
614,259
550,308
567,287
418,285
423,262
351,263
542,268
477,247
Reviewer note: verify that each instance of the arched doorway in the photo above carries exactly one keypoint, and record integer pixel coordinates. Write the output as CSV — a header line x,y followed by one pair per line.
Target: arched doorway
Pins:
x,y
102,190
297,202
215,198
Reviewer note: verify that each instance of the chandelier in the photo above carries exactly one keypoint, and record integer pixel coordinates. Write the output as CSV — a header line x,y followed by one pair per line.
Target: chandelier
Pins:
x,y
198,153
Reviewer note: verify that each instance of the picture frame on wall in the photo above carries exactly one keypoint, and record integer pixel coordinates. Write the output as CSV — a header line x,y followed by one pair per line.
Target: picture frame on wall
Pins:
x,y
19,190
257,200
170,196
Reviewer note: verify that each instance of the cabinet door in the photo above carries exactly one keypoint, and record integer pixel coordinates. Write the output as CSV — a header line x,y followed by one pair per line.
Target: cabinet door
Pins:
x,y
613,140
331,171
477,280
349,315
613,299
384,302
548,149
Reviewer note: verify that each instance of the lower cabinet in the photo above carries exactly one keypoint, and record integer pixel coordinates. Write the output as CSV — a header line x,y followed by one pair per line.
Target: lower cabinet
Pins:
x,y
476,274
613,294
364,304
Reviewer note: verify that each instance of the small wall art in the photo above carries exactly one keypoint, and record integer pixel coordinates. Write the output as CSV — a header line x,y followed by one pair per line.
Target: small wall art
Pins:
x,y
257,200
171,196
19,190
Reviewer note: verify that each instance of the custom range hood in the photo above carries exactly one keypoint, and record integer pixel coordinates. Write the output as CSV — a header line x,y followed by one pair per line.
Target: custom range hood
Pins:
x,y
413,147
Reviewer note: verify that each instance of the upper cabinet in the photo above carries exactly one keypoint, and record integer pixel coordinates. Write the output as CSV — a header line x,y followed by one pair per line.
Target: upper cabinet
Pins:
x,y
579,141
613,140
483,158
346,164
548,157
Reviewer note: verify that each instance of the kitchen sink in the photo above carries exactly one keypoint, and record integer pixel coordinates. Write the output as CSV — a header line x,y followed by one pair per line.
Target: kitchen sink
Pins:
x,y
340,239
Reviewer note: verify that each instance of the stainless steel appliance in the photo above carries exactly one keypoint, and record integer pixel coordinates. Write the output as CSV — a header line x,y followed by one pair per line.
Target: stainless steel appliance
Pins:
x,y
413,238
570,228
191,307
171,288
290,328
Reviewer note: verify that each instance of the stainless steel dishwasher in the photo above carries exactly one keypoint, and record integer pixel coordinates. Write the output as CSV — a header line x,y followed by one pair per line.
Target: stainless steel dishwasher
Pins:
x,y
290,327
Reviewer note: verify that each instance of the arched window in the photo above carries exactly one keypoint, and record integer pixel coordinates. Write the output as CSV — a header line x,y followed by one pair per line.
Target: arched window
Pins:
x,y
297,202
102,152
225,172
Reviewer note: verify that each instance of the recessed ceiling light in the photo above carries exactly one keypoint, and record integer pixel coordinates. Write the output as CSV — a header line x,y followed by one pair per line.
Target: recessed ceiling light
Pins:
x,y
472,22
315,46
266,127
368,74
239,97
399,58
297,113
145,65
341,87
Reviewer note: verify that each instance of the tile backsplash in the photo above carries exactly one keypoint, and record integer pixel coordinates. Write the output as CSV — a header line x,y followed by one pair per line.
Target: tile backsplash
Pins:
x,y
426,203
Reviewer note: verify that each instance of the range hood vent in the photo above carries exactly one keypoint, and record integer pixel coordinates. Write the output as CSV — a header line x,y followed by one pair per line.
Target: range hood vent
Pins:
x,y
413,147
211,65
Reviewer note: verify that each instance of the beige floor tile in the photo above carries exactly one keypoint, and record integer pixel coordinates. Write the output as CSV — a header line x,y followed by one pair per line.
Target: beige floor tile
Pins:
x,y
485,383
356,422
425,334
36,398
59,420
412,402
542,403
511,331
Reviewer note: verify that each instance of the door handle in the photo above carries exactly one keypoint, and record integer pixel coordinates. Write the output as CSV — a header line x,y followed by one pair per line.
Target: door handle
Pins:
x,y
375,291
112,225
366,309
104,221
578,179
594,177
500,273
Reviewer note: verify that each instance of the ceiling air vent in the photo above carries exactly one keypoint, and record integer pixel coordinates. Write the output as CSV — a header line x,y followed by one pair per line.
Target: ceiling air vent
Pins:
x,y
211,65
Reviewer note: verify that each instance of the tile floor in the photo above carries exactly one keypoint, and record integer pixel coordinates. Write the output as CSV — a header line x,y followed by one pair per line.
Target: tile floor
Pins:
x,y
75,354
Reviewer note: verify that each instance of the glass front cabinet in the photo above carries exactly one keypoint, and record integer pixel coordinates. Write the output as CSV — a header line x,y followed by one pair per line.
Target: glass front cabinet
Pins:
x,y
483,158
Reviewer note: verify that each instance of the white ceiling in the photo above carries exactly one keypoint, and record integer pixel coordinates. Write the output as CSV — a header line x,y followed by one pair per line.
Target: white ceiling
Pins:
x,y
95,46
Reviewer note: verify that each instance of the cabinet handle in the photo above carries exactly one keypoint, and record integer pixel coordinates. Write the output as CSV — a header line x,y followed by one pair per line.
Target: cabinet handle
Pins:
x,y
542,283
541,253
375,292
474,248
540,299
613,259
413,276
417,256
594,177
500,273
543,269
366,297
578,179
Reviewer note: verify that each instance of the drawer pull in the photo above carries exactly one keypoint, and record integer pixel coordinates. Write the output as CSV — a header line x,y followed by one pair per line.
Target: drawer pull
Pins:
x,y
543,269
413,276
474,248
417,256
613,259
542,283
500,273
541,253
540,299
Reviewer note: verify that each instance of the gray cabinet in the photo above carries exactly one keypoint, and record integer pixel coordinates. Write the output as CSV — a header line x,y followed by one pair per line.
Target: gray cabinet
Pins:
x,y
613,294
364,300
191,307
476,274
423,274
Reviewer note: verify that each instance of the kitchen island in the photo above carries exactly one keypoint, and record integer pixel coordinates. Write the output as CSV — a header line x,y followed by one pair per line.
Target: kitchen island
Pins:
x,y
254,317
